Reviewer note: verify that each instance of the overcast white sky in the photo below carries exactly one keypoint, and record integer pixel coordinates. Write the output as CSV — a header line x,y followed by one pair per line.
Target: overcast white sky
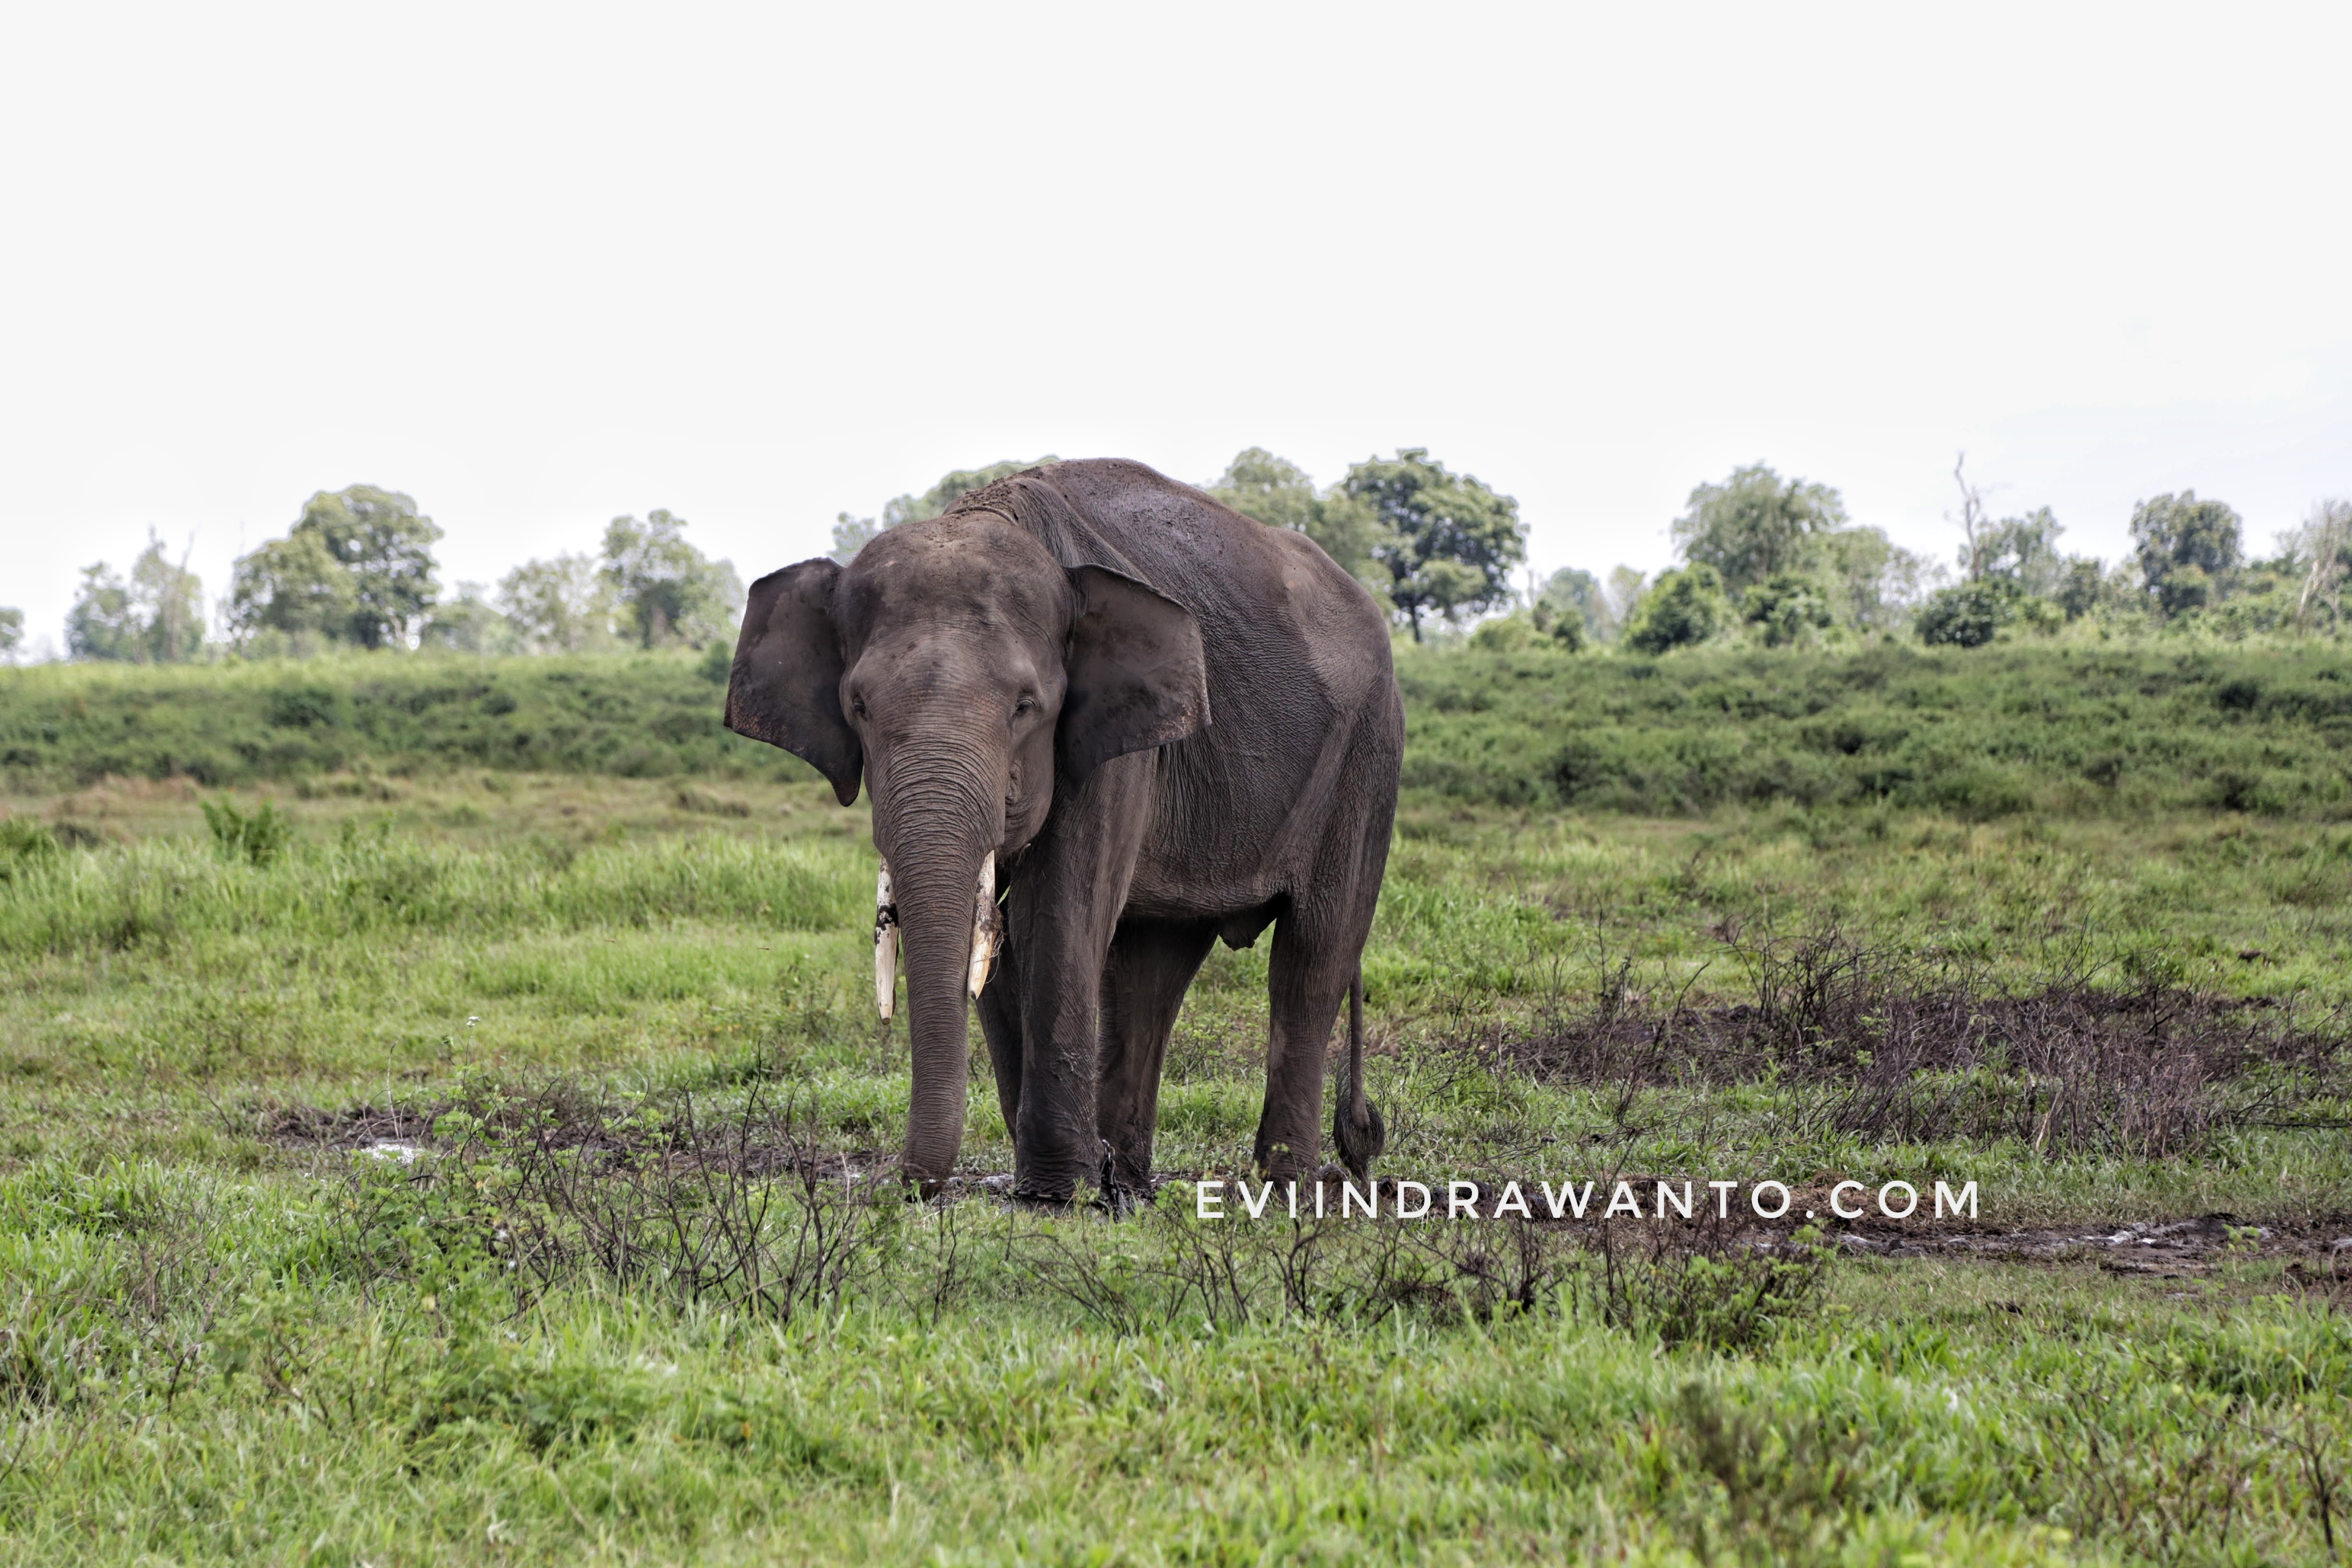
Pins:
x,y
537,266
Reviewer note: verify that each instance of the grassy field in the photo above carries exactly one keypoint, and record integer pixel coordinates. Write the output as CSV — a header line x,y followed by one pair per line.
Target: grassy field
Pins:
x,y
475,1170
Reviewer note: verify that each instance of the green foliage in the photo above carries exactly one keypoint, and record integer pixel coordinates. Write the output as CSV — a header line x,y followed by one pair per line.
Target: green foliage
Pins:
x,y
1447,541
645,715
156,617
23,845
389,1205
1981,733
2019,551
1787,608
257,837
1873,582
12,633
356,568
2083,586
2189,549
1682,609
1519,633
1755,524
1572,594
666,591
1967,615
386,545
564,604
1782,550
103,622
292,594
468,624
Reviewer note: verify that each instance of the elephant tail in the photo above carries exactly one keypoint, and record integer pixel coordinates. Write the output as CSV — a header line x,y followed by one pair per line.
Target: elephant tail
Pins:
x,y
1356,1125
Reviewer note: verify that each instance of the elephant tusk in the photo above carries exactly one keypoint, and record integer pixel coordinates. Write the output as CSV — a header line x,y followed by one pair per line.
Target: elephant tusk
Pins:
x,y
987,928
886,944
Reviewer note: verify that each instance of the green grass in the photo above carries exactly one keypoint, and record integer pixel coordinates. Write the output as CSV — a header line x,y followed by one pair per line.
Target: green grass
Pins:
x,y
636,716
225,1335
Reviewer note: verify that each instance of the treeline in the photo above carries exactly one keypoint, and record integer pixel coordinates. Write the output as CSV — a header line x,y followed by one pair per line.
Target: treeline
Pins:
x,y
1774,563
1763,561
356,571
1434,545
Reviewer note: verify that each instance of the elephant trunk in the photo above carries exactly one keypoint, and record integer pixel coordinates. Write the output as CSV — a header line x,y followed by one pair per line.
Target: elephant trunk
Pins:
x,y
938,843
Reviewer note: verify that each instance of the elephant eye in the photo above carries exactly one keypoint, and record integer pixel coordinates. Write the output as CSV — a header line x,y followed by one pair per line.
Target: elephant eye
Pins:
x,y
1026,705
857,706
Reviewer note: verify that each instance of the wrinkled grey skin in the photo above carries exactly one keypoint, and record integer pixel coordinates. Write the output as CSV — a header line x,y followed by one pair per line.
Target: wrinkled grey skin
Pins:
x,y
1171,724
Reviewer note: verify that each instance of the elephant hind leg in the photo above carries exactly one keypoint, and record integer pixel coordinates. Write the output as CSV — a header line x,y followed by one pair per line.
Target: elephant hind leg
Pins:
x,y
1309,972
1150,967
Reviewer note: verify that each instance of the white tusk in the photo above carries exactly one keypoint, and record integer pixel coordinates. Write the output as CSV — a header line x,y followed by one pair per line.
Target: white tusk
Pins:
x,y
886,944
987,928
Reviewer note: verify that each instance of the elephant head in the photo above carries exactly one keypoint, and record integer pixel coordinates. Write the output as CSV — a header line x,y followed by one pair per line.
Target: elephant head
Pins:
x,y
966,676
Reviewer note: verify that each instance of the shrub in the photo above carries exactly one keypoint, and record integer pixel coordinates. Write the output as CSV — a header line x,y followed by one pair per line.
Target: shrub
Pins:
x,y
1968,615
1788,608
24,844
259,839
1686,608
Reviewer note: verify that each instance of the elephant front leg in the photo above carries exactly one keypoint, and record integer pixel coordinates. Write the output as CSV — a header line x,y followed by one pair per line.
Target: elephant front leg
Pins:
x,y
1062,910
1151,965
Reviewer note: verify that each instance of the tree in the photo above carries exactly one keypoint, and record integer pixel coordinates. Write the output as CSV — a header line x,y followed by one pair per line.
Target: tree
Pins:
x,y
1625,593
1447,541
12,633
379,538
104,623
1277,492
665,588
2081,586
1755,524
1871,581
155,617
1682,609
2188,549
294,587
467,623
172,600
2022,551
1788,608
1570,593
2322,547
559,606
356,568
1967,615
850,534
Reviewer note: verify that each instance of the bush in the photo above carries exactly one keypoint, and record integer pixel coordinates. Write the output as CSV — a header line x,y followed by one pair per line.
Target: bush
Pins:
x,y
1685,609
1969,616
1788,608
648,715
259,838
1979,732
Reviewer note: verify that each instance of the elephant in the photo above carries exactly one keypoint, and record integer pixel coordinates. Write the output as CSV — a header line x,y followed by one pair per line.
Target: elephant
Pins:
x,y
1155,723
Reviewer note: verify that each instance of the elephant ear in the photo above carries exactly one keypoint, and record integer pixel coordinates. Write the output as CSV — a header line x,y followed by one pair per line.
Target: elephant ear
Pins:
x,y
786,685
1138,677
